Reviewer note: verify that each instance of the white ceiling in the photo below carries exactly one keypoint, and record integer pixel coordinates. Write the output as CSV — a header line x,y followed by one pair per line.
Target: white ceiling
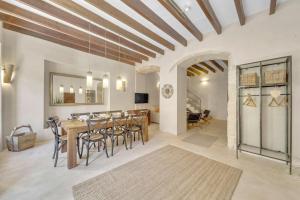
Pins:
x,y
224,9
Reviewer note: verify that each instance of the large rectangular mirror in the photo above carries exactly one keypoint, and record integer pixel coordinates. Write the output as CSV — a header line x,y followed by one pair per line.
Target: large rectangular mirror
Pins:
x,y
67,89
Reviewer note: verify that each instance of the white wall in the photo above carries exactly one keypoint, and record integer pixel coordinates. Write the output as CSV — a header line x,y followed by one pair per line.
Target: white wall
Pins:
x,y
23,100
213,93
147,83
262,37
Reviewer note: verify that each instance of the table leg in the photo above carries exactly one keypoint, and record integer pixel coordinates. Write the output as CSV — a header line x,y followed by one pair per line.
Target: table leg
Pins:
x,y
145,131
64,147
71,149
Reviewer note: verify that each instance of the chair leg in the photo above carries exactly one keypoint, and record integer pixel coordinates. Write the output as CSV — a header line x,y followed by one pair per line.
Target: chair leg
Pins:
x,y
54,150
142,136
112,146
130,140
80,155
124,138
78,146
117,140
105,146
56,154
88,153
98,146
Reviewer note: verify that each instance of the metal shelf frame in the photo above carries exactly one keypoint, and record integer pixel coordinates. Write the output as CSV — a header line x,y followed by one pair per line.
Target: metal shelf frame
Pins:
x,y
260,149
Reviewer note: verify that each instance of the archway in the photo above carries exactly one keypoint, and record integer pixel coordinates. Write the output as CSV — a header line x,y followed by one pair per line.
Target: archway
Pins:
x,y
181,65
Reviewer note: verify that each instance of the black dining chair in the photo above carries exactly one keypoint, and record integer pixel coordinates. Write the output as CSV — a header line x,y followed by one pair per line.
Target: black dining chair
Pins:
x,y
194,118
136,127
96,134
119,129
59,140
80,135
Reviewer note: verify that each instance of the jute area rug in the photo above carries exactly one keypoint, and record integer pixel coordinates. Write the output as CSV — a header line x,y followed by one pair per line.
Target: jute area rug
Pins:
x,y
169,173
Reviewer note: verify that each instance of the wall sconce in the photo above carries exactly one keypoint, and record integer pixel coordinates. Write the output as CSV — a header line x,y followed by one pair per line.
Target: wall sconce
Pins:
x,y
71,89
204,81
7,73
121,84
158,84
61,89
105,81
80,91
89,80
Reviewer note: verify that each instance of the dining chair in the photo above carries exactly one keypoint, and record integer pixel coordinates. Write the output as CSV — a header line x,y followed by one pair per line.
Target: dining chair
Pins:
x,y
118,130
95,135
80,135
59,140
136,127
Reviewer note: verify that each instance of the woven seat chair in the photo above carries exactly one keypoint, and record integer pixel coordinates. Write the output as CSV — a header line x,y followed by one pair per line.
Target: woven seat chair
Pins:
x,y
95,136
136,127
80,135
59,139
119,129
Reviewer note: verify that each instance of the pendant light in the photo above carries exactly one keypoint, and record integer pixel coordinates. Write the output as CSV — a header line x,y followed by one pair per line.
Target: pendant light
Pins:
x,y
61,89
89,75
105,81
80,90
71,89
119,83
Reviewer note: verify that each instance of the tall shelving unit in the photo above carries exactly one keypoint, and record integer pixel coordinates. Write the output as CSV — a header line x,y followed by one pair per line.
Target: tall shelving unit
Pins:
x,y
262,128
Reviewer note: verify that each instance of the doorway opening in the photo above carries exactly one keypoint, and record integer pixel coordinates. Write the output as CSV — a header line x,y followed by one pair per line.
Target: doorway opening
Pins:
x,y
206,101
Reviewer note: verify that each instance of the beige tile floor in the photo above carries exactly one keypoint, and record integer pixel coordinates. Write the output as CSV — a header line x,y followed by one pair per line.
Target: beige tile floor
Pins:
x,y
30,174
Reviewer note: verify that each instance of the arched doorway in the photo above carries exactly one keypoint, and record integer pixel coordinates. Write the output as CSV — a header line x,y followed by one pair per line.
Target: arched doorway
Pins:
x,y
196,58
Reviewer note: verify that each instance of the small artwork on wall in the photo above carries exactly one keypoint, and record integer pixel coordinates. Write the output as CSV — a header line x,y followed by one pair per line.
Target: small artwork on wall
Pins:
x,y
167,91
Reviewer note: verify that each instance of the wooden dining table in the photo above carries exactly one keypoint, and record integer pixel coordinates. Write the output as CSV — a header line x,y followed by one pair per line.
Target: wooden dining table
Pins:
x,y
72,128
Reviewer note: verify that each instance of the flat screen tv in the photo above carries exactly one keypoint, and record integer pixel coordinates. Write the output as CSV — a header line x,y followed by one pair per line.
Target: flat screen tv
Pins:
x,y
141,98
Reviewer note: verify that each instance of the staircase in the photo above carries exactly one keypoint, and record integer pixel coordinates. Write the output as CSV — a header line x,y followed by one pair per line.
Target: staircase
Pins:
x,y
193,102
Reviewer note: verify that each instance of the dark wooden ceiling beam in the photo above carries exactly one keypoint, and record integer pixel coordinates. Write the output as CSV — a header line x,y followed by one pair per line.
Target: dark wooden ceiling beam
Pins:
x,y
62,42
188,73
217,65
193,70
225,62
117,14
200,69
139,7
182,18
79,22
210,14
240,11
66,29
273,5
74,7
63,37
208,67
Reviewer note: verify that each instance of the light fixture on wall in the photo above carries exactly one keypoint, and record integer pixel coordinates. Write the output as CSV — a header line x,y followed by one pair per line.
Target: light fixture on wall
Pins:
x,y
7,73
119,83
71,89
204,81
105,81
61,89
158,84
80,90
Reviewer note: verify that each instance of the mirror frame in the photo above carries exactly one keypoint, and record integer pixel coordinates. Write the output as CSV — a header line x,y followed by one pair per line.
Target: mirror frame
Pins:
x,y
52,74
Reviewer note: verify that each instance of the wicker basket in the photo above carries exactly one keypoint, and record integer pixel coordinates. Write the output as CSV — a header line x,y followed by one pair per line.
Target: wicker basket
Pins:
x,y
21,141
249,79
275,77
